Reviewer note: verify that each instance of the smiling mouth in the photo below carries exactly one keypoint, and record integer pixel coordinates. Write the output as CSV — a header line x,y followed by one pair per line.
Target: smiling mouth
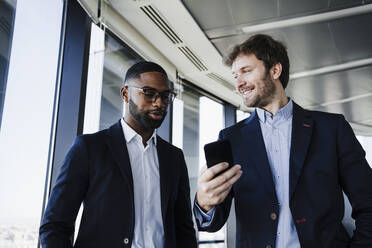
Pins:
x,y
246,90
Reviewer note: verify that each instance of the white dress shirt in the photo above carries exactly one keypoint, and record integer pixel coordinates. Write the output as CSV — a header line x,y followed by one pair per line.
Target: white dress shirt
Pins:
x,y
148,222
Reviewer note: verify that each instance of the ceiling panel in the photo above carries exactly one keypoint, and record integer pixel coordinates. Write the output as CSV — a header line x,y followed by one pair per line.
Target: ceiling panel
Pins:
x,y
316,90
358,111
210,14
317,45
297,7
353,36
310,46
252,11
224,44
344,3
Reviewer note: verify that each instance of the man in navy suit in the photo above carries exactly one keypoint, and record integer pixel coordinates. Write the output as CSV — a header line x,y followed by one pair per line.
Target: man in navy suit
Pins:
x,y
133,184
291,165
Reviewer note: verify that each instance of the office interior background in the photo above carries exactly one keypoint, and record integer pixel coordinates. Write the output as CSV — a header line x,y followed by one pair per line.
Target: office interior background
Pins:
x,y
62,64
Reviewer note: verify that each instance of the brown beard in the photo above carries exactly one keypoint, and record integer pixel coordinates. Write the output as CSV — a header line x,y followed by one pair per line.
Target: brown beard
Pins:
x,y
267,92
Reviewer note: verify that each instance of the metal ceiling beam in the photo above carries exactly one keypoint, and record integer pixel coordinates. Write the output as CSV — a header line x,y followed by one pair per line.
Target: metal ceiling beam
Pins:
x,y
332,68
349,99
258,28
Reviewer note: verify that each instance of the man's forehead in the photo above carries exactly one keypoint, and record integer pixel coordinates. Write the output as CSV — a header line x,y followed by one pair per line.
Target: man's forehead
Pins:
x,y
152,75
244,60
153,79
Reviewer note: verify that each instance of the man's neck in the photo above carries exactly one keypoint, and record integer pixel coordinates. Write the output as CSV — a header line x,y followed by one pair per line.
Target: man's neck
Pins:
x,y
144,133
276,104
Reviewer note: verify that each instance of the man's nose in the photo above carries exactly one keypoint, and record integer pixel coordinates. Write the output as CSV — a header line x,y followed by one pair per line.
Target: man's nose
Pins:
x,y
240,82
158,101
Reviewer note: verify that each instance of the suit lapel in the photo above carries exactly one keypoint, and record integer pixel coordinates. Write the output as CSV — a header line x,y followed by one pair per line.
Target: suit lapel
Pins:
x,y
117,144
165,174
302,127
256,151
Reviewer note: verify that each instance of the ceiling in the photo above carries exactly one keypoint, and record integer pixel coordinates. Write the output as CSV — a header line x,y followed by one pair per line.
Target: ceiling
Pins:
x,y
311,45
329,44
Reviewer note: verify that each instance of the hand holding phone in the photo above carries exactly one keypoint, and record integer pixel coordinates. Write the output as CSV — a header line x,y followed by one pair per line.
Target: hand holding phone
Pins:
x,y
212,188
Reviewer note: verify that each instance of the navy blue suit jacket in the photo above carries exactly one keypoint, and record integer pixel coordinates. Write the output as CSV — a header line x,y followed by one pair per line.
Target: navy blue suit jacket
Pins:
x,y
97,172
325,160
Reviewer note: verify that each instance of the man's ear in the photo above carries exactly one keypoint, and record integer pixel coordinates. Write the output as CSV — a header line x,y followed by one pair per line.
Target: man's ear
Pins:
x,y
276,71
124,94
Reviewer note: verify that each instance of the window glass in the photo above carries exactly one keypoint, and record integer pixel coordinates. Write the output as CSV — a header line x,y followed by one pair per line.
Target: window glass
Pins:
x,y
366,142
185,129
109,59
7,14
241,115
27,111
118,59
213,245
211,123
197,120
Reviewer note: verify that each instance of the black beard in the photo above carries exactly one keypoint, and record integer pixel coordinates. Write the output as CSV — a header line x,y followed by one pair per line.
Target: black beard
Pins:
x,y
143,119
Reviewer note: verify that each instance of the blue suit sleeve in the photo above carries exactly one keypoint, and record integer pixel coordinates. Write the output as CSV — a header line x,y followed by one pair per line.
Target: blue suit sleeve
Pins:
x,y
66,197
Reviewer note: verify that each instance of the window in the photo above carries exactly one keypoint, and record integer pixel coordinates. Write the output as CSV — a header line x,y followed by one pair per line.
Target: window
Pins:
x,y
241,115
366,143
185,130
7,13
27,114
109,59
197,121
211,123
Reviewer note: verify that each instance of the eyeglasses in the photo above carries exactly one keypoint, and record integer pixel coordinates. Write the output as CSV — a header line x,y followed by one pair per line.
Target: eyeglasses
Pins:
x,y
151,94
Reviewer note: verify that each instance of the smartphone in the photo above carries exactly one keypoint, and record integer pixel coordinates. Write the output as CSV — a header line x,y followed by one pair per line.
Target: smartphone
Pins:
x,y
217,152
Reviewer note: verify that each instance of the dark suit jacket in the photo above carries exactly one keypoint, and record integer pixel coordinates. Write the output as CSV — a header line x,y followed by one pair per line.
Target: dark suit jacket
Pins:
x,y
325,159
98,173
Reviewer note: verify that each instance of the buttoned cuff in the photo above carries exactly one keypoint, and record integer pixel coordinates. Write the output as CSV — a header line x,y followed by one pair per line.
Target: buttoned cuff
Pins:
x,y
204,218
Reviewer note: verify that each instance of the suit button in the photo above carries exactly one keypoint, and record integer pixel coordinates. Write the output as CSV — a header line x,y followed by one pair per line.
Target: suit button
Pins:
x,y
268,246
126,241
273,216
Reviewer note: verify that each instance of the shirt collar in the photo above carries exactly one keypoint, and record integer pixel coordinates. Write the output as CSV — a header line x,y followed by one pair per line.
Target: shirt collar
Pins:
x,y
285,112
129,133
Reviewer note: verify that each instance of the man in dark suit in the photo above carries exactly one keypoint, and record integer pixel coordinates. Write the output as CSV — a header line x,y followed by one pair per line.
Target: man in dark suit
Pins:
x,y
291,165
133,184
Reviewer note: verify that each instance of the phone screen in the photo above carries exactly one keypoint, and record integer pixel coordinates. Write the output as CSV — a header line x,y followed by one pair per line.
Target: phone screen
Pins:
x,y
217,152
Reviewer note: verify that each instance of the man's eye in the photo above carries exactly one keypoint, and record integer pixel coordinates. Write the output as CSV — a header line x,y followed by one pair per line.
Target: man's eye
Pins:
x,y
149,92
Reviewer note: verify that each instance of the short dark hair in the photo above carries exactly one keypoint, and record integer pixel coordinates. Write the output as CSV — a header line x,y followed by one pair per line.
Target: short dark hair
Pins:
x,y
265,48
141,67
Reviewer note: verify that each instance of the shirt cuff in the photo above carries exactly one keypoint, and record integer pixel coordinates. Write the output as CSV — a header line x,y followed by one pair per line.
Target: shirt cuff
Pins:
x,y
204,218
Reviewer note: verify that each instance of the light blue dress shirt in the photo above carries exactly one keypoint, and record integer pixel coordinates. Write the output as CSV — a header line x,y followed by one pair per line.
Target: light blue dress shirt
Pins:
x,y
276,131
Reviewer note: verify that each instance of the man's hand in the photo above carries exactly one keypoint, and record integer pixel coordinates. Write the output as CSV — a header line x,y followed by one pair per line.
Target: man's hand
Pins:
x,y
212,191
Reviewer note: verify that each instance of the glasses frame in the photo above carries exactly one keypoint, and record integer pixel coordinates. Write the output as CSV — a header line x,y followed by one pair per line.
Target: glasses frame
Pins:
x,y
157,95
